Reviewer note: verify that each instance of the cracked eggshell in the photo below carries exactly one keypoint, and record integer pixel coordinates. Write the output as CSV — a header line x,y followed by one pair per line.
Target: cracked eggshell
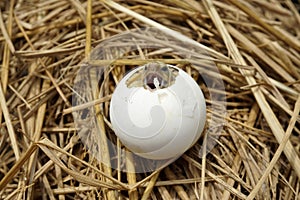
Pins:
x,y
162,123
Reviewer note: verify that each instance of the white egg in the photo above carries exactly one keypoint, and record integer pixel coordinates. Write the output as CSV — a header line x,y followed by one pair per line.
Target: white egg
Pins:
x,y
158,113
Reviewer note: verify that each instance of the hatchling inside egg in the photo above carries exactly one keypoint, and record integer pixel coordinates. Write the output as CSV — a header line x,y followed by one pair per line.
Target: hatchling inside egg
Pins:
x,y
158,111
154,75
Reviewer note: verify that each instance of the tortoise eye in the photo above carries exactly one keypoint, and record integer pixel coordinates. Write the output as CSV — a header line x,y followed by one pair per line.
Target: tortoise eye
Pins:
x,y
164,69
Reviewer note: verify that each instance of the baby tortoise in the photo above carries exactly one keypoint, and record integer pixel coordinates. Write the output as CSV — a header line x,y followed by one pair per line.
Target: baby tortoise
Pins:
x,y
152,76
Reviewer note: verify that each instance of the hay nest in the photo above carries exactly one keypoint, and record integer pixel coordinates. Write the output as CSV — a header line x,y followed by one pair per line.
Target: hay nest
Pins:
x,y
257,51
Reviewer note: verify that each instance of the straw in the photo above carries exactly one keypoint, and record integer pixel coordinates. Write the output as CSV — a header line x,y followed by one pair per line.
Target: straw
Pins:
x,y
254,45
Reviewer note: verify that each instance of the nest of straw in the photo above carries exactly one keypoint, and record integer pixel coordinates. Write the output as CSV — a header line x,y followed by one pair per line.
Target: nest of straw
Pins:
x,y
257,51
